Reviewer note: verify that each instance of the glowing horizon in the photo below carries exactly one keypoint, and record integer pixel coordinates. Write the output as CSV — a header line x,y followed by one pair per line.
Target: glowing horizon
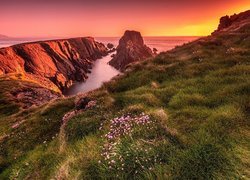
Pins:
x,y
109,18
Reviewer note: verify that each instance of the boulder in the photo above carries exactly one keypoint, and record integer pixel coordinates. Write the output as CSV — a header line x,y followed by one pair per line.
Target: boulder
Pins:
x,y
82,103
155,50
110,45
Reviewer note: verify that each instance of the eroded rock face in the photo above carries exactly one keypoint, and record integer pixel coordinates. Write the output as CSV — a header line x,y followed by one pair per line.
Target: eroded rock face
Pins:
x,y
131,49
60,61
234,23
29,96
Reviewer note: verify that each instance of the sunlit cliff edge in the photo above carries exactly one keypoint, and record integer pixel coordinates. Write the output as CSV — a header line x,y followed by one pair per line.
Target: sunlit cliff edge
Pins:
x,y
60,61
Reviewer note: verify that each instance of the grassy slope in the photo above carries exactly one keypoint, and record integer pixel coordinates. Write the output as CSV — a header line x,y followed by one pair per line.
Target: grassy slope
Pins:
x,y
198,97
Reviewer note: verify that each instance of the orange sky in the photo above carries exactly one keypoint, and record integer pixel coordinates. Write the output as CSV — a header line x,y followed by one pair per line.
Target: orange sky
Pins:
x,y
112,17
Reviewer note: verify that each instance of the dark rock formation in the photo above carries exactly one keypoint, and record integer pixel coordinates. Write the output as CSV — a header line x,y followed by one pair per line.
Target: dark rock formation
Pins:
x,y
112,50
84,103
110,45
131,48
234,23
29,96
155,50
225,22
60,61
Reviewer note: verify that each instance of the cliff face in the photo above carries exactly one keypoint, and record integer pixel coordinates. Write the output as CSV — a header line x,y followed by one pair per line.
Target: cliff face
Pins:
x,y
131,48
237,23
60,61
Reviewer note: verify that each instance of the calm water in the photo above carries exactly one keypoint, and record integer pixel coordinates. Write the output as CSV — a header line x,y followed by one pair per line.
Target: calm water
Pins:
x,y
13,41
101,71
160,43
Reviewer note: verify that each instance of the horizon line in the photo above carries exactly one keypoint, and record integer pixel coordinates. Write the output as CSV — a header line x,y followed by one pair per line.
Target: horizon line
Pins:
x,y
68,37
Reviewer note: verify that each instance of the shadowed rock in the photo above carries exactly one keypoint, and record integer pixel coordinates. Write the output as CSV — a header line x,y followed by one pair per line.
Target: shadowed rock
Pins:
x,y
131,49
236,23
110,45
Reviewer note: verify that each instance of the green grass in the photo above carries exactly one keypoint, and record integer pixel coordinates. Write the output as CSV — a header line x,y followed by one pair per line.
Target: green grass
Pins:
x,y
197,95
41,125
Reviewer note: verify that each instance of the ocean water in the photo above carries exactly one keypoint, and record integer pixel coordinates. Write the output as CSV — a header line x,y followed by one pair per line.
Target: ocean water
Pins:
x,y
164,43
102,71
13,41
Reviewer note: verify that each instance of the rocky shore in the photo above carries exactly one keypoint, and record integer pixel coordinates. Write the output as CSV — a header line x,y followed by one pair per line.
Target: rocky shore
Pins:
x,y
60,61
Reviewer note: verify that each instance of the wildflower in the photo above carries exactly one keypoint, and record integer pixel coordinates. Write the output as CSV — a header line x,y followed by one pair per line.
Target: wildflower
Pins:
x,y
118,128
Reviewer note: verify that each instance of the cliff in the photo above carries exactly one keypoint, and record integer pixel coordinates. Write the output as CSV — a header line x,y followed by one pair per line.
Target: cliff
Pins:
x,y
237,23
61,61
131,48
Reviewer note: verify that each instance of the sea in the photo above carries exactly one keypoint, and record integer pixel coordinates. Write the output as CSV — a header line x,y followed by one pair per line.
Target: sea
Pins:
x,y
102,71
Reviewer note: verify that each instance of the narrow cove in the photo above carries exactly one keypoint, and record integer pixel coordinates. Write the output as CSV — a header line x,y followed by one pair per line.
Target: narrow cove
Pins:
x,y
100,73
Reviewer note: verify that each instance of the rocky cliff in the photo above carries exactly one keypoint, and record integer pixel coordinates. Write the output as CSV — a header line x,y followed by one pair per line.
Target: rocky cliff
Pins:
x,y
237,23
131,48
61,61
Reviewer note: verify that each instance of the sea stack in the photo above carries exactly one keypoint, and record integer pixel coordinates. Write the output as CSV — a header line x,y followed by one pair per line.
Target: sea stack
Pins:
x,y
131,49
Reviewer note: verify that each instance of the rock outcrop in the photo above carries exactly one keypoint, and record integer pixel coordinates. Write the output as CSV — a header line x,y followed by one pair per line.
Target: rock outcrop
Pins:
x,y
110,45
35,95
61,61
236,23
131,48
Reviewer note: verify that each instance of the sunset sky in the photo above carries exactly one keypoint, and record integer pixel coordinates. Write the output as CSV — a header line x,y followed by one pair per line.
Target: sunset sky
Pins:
x,y
111,17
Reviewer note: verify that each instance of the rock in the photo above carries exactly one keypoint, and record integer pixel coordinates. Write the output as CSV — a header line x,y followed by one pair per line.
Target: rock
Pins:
x,y
82,103
112,50
60,80
155,50
131,49
110,45
1,72
224,22
61,61
29,96
234,23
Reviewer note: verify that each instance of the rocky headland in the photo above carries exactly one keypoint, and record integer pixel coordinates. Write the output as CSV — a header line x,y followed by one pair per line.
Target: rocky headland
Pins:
x,y
60,61
237,23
